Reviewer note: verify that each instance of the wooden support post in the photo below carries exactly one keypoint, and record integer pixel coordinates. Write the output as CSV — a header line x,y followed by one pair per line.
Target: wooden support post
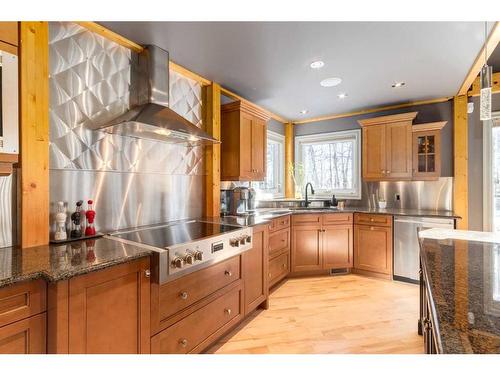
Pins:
x,y
211,124
460,150
34,128
289,144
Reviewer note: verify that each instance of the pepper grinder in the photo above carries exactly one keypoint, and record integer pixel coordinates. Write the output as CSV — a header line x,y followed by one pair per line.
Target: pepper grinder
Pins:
x,y
76,218
90,215
61,217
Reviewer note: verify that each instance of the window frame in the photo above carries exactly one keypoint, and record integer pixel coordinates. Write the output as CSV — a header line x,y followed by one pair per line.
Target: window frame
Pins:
x,y
488,193
279,168
354,134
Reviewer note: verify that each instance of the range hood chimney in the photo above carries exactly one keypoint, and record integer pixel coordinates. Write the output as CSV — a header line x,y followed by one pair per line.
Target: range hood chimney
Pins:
x,y
149,116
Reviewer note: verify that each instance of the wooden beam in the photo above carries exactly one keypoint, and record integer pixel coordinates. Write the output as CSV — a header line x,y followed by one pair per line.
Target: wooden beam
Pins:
x,y
189,74
372,110
490,45
289,145
495,85
460,151
212,124
34,129
111,35
232,95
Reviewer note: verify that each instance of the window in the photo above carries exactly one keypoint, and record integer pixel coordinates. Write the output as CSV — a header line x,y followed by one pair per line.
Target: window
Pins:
x,y
491,173
331,162
273,185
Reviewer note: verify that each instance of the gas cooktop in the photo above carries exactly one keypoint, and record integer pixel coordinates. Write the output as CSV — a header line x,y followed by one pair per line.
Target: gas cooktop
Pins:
x,y
186,246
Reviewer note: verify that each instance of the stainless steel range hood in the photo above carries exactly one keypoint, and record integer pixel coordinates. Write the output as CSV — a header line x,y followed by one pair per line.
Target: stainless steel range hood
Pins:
x,y
149,116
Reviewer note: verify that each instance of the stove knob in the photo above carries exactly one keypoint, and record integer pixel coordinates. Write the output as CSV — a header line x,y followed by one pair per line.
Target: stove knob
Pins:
x,y
189,258
198,255
178,262
249,239
235,242
242,240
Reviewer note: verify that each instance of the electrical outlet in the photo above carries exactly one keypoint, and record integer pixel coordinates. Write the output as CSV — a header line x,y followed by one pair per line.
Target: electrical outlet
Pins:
x,y
397,197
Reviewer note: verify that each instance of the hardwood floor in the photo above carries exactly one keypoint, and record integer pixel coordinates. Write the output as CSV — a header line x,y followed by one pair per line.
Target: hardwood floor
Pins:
x,y
341,314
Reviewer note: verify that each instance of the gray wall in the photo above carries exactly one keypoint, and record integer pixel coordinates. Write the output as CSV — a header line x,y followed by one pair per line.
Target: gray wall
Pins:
x,y
426,113
475,133
276,126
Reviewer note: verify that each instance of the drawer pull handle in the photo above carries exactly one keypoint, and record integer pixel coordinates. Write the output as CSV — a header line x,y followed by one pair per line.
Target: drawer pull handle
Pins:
x,y
147,273
228,273
183,342
372,228
284,265
269,274
371,219
183,295
228,311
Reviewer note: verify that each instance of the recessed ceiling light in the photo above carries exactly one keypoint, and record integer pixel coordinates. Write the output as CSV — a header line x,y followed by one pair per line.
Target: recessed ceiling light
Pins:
x,y
398,84
331,82
317,64
342,95
304,111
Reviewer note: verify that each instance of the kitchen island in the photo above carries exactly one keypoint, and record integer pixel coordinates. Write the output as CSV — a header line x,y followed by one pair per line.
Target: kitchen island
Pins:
x,y
460,291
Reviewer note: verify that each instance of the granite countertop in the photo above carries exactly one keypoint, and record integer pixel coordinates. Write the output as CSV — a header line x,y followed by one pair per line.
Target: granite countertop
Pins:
x,y
265,215
59,262
462,270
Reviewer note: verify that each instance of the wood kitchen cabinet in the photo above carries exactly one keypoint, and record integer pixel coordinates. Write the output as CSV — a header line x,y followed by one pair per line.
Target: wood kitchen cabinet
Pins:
x,y
387,147
244,142
22,318
106,311
322,242
427,150
255,263
373,244
9,37
279,249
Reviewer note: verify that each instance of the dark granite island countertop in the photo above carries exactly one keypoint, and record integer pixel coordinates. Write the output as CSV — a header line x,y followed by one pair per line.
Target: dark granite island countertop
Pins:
x,y
462,273
59,262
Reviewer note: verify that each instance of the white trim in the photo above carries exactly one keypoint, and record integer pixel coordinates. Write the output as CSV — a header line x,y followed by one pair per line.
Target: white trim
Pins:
x,y
488,199
278,138
355,135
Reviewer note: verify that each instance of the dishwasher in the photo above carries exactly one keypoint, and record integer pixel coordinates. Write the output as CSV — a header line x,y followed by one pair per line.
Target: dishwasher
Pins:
x,y
406,247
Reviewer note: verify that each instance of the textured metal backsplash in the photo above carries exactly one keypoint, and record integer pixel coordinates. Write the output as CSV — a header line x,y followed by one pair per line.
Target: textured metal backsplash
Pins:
x,y
133,181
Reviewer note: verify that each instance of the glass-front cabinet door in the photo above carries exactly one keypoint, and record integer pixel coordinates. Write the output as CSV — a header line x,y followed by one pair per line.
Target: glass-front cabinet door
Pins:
x,y
426,154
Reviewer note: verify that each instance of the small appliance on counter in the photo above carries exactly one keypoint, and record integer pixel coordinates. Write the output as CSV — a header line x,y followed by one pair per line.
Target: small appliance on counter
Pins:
x,y
237,201
252,197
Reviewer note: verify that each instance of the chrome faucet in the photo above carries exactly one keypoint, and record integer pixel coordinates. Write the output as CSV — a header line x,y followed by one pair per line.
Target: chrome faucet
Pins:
x,y
312,192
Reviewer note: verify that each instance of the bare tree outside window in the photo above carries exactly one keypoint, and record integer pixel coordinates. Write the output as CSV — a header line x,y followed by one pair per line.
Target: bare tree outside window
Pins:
x,y
331,162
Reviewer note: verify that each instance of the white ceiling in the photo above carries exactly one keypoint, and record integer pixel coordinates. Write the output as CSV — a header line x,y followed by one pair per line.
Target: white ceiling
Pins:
x,y
268,62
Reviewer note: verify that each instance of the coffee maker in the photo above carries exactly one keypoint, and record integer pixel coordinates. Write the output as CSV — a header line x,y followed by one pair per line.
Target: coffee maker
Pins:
x,y
235,201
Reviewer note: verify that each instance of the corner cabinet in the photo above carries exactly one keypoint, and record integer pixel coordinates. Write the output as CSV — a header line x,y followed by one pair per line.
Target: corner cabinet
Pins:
x,y
244,141
387,147
427,150
322,242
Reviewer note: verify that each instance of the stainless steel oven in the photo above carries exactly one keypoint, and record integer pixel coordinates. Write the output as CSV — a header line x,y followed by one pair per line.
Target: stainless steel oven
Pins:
x,y
9,112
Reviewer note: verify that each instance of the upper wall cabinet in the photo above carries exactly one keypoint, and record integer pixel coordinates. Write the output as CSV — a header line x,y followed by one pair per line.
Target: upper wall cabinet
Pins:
x,y
244,140
9,39
387,147
427,150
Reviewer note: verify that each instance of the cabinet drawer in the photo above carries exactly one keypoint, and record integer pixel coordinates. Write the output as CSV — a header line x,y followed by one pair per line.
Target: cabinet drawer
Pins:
x,y
184,291
279,223
337,218
278,268
279,242
373,219
22,300
27,336
196,331
306,219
